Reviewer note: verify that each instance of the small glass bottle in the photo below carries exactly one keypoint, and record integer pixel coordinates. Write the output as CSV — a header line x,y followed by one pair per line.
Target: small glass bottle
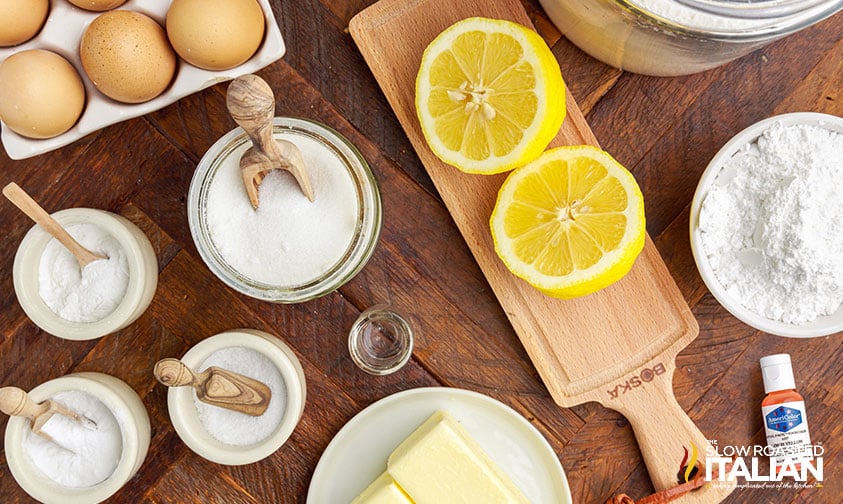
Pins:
x,y
380,340
783,410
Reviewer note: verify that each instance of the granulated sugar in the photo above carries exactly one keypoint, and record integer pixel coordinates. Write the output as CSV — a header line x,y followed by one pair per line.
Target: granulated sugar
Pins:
x,y
80,457
773,232
288,240
233,427
89,294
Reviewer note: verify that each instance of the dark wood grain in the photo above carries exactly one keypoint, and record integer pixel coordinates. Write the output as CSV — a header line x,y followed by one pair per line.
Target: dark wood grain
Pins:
x,y
665,130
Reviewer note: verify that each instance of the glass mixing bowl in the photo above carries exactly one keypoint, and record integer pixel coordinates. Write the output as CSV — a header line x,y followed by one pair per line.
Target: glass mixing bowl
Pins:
x,y
680,37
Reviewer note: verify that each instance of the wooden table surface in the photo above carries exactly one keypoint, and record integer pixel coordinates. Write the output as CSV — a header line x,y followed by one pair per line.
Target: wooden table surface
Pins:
x,y
664,129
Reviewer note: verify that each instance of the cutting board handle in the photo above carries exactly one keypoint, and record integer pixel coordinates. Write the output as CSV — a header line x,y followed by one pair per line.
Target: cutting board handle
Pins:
x,y
664,432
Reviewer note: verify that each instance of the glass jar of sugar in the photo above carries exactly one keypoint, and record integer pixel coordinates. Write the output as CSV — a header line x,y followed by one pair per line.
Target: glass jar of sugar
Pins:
x,y
680,37
290,249
84,465
231,437
104,297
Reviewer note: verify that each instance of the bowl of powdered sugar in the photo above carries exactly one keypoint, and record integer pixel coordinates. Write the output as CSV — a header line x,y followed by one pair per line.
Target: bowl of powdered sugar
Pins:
x,y
767,225
80,464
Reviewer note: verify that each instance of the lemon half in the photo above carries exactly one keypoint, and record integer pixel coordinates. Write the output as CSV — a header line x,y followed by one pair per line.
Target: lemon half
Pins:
x,y
569,223
489,95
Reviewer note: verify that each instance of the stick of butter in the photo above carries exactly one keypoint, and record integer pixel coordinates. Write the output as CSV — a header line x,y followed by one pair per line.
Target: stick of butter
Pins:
x,y
440,463
383,490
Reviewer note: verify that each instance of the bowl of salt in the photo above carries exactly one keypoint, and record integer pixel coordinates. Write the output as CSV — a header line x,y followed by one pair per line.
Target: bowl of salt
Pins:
x,y
73,462
228,436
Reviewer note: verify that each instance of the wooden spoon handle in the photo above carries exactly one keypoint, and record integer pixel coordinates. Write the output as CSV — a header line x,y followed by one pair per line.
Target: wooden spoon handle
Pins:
x,y
173,373
16,402
27,205
252,106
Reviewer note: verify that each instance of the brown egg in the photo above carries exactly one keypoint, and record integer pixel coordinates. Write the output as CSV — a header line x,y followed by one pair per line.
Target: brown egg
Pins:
x,y
97,5
127,57
20,20
41,94
215,34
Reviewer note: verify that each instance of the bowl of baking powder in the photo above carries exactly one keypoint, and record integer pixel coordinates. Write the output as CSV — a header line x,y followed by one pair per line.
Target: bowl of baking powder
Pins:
x,y
767,225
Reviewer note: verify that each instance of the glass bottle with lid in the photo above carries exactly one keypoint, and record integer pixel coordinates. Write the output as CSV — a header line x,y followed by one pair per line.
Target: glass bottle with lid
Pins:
x,y
680,37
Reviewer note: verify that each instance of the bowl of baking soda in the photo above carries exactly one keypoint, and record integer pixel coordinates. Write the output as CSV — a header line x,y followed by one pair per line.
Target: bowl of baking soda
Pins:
x,y
232,437
80,463
767,225
86,303
289,249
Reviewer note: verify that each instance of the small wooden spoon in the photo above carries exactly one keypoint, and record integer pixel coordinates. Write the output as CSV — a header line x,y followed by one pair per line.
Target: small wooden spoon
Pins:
x,y
16,402
27,205
216,386
252,106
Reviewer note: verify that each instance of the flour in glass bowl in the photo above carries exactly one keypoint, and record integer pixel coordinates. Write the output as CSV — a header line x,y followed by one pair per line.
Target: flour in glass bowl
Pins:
x,y
689,17
772,224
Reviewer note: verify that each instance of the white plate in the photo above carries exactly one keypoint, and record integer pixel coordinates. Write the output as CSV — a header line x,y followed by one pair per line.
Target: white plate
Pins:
x,y
62,32
357,454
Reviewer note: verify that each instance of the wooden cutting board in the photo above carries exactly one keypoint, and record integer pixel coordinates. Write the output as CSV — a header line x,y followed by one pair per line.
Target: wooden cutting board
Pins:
x,y
616,346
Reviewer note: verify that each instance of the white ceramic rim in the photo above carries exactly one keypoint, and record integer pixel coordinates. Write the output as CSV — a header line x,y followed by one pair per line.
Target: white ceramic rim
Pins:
x,y
39,486
64,26
125,312
185,419
822,326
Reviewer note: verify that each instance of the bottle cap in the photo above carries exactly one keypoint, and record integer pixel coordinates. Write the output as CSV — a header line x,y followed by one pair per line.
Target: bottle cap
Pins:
x,y
777,373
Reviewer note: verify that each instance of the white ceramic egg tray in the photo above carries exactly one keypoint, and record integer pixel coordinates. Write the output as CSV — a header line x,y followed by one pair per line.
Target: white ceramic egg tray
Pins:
x,y
62,33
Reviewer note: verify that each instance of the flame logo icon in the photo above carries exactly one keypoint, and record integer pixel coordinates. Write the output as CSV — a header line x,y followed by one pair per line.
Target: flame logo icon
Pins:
x,y
688,465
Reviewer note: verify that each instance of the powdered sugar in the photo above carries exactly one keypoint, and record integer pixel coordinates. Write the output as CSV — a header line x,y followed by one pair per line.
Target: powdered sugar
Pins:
x,y
772,224
90,294
80,456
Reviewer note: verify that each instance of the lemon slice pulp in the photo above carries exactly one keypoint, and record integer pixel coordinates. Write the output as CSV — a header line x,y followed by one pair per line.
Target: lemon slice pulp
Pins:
x,y
489,95
569,223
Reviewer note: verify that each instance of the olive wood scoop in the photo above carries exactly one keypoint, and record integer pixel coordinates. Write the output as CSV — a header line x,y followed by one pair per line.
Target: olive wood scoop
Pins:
x,y
33,210
16,402
216,386
252,106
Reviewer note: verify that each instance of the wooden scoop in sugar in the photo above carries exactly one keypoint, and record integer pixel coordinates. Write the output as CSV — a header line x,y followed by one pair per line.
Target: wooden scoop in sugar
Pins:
x,y
252,106
33,210
216,386
16,402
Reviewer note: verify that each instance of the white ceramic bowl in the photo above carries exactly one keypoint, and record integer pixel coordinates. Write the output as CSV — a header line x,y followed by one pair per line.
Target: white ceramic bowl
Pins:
x,y
143,275
185,417
61,34
822,326
126,406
